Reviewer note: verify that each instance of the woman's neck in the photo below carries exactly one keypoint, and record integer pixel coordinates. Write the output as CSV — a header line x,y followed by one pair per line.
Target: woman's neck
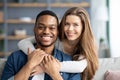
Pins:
x,y
71,42
69,46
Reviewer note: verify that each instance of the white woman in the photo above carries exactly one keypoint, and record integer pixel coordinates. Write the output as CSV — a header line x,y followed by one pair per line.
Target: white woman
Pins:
x,y
76,39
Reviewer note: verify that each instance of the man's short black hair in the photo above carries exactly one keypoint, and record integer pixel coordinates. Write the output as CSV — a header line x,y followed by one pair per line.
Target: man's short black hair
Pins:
x,y
47,12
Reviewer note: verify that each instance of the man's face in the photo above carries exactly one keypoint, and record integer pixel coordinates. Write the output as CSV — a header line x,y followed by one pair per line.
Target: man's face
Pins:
x,y
46,30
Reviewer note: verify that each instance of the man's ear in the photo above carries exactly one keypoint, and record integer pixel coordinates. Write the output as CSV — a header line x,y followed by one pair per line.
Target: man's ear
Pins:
x,y
58,30
34,29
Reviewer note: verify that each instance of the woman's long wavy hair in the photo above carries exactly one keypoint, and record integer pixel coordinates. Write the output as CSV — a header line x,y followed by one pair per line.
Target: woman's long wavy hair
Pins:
x,y
86,45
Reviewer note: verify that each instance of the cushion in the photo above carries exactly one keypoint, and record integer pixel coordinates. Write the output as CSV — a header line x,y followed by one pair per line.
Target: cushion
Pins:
x,y
2,63
112,75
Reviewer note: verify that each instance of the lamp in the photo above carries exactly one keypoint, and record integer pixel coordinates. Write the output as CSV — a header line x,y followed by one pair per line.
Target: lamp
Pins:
x,y
101,13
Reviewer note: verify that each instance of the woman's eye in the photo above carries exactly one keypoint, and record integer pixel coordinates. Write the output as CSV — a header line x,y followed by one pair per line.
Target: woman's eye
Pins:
x,y
75,25
66,24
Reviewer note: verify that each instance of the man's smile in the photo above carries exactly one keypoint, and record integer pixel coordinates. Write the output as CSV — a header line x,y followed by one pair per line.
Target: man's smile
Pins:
x,y
46,37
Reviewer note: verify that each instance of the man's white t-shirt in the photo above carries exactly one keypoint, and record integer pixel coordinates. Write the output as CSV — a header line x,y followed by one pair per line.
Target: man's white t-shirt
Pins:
x,y
38,76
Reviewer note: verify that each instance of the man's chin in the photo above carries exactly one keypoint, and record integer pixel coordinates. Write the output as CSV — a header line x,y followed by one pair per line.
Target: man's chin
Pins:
x,y
46,45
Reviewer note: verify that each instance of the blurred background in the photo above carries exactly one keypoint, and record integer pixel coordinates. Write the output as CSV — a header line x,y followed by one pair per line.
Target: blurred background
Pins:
x,y
17,19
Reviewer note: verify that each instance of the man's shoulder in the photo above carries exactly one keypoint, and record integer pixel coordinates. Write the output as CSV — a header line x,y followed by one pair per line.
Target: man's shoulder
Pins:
x,y
63,55
60,52
17,55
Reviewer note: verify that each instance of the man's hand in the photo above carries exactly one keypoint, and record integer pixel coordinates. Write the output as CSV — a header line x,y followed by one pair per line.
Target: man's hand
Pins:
x,y
37,70
35,57
51,66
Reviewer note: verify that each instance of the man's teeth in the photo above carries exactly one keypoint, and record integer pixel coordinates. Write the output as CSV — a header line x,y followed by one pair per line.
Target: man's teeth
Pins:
x,y
46,37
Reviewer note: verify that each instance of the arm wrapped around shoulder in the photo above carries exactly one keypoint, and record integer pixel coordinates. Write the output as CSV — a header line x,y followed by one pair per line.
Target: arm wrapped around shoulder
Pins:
x,y
26,43
73,66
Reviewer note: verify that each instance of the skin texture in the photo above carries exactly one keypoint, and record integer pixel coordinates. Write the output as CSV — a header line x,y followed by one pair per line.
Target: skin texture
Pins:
x,y
73,27
34,59
72,30
85,45
46,34
78,40
46,30
50,67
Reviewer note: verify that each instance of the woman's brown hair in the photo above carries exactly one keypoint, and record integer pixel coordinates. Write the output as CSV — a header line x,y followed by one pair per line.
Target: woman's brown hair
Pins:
x,y
86,45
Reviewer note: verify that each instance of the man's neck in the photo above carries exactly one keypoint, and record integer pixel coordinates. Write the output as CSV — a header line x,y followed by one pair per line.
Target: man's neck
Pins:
x,y
48,50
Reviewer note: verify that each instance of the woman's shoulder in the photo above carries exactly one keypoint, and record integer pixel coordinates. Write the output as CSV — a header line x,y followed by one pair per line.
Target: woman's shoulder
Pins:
x,y
58,45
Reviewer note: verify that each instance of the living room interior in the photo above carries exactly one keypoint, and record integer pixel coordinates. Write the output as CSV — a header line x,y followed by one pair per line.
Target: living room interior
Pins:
x,y
22,14
17,19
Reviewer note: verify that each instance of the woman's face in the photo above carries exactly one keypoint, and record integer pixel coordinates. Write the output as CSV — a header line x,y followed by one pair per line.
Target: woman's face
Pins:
x,y
73,27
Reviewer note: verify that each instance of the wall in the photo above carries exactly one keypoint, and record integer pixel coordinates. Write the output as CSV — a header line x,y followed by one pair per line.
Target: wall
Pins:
x,y
115,28
99,27
15,13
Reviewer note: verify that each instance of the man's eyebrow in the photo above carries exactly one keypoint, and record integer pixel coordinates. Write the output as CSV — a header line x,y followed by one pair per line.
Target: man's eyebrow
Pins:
x,y
49,24
53,24
40,24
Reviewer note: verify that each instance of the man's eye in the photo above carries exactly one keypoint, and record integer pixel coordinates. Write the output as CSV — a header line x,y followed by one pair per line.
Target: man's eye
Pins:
x,y
40,27
52,28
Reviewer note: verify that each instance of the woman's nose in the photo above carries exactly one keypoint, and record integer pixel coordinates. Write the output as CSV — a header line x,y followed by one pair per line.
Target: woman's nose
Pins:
x,y
70,27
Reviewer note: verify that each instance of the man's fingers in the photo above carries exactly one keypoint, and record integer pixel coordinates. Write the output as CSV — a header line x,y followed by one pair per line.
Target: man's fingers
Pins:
x,y
33,73
29,51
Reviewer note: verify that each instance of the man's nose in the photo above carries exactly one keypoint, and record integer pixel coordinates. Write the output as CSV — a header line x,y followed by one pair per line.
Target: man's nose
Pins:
x,y
46,30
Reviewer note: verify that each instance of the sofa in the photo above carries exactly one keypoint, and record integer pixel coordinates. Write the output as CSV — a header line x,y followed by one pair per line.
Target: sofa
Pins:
x,y
2,63
104,65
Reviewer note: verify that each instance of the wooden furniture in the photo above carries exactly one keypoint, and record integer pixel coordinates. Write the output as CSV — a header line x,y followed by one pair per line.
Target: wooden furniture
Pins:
x,y
13,12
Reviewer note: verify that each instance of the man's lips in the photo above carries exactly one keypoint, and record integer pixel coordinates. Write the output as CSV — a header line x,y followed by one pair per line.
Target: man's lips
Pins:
x,y
46,38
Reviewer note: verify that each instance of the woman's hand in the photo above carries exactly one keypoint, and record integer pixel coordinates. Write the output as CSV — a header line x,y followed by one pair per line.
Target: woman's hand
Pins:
x,y
81,57
51,66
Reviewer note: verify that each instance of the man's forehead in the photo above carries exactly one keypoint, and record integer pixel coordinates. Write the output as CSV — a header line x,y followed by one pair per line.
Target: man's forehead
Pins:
x,y
47,19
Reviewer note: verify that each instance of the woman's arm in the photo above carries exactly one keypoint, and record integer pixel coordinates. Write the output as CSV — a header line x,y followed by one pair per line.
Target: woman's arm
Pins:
x,y
27,43
73,66
66,66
